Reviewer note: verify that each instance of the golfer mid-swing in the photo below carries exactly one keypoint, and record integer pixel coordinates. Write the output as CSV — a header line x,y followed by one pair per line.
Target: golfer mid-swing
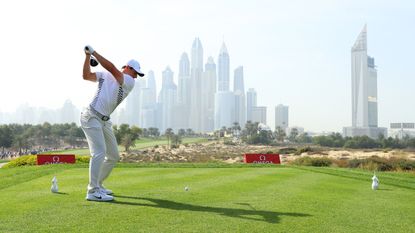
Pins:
x,y
113,87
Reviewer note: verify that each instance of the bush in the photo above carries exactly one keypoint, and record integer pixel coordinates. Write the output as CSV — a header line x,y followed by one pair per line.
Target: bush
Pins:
x,y
82,159
287,150
31,160
303,150
376,163
25,160
315,162
229,143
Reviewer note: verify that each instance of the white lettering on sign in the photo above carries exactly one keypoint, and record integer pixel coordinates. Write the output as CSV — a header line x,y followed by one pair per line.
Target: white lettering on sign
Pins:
x,y
262,162
55,160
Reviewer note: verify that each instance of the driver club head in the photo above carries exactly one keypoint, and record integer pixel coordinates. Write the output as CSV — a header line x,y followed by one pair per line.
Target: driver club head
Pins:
x,y
93,62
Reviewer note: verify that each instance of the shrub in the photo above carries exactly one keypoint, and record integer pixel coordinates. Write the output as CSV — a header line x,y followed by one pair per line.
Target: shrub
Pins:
x,y
303,150
315,162
82,159
379,164
321,162
31,160
341,163
26,160
229,143
287,150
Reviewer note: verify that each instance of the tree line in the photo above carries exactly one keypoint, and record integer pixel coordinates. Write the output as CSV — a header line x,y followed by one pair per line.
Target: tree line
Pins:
x,y
27,138
254,134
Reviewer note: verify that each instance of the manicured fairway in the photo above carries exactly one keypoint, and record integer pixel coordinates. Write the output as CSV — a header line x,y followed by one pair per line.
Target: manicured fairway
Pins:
x,y
235,199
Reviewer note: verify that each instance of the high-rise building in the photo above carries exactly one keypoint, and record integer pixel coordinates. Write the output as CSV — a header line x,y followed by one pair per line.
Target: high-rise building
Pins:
x,y
184,88
364,92
250,103
224,98
281,116
259,114
148,100
239,92
224,109
196,71
167,99
133,108
223,69
208,96
184,92
69,113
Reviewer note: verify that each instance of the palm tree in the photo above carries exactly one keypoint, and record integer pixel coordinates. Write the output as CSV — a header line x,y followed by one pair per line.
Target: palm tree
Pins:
x,y
293,134
236,128
279,133
169,133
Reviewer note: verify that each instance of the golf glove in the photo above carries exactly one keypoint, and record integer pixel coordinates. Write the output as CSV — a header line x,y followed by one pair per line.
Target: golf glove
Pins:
x,y
88,49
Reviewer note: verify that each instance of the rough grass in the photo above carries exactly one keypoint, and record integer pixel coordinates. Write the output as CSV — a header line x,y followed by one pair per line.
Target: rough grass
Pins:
x,y
140,144
231,199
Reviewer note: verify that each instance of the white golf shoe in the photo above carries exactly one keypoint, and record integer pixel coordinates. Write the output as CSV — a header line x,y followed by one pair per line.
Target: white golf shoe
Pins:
x,y
106,191
98,195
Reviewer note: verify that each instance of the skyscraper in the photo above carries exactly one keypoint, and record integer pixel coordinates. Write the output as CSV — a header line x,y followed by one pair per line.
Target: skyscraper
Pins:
x,y
184,89
223,69
281,116
133,108
224,99
167,99
184,93
250,103
364,91
196,70
148,102
259,114
239,92
208,96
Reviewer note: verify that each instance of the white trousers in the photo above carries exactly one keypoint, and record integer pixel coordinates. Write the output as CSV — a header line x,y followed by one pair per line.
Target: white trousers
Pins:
x,y
102,146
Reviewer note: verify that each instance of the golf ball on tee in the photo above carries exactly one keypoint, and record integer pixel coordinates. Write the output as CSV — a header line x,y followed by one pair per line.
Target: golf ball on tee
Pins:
x,y
186,188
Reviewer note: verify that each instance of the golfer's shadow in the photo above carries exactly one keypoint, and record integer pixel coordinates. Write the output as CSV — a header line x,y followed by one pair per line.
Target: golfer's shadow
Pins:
x,y
248,214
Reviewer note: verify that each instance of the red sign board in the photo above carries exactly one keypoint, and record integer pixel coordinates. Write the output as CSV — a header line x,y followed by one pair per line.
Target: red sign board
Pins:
x,y
262,158
55,159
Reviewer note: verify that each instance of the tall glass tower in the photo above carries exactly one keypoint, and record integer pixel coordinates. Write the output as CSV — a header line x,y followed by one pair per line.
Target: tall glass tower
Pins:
x,y
364,92
223,69
196,71
364,85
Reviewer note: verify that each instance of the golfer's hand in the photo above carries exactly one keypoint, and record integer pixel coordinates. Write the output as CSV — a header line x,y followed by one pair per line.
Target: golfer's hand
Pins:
x,y
89,50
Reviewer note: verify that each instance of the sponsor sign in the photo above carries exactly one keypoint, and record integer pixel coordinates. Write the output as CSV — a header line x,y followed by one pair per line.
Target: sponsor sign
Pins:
x,y
55,158
262,158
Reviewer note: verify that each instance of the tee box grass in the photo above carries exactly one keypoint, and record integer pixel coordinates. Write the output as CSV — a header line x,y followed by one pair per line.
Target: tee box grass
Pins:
x,y
219,199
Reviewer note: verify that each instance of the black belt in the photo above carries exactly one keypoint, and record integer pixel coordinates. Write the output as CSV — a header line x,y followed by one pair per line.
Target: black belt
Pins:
x,y
102,117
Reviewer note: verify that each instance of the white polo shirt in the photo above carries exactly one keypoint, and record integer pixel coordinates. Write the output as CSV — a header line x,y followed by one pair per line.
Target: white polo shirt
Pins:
x,y
110,93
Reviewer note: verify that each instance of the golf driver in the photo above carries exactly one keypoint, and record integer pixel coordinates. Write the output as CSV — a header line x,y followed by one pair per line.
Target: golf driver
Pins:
x,y
93,62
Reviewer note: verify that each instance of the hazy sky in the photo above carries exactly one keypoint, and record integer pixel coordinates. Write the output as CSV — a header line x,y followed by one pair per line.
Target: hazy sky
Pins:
x,y
295,53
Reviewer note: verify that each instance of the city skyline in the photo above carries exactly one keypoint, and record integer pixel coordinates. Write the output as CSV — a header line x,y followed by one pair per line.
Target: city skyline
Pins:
x,y
296,54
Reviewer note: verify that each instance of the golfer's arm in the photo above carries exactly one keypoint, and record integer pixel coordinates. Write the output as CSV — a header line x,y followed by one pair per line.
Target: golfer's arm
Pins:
x,y
110,67
86,73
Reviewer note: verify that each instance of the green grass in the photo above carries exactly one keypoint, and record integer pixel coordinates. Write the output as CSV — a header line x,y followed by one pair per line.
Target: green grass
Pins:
x,y
233,198
4,160
140,144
